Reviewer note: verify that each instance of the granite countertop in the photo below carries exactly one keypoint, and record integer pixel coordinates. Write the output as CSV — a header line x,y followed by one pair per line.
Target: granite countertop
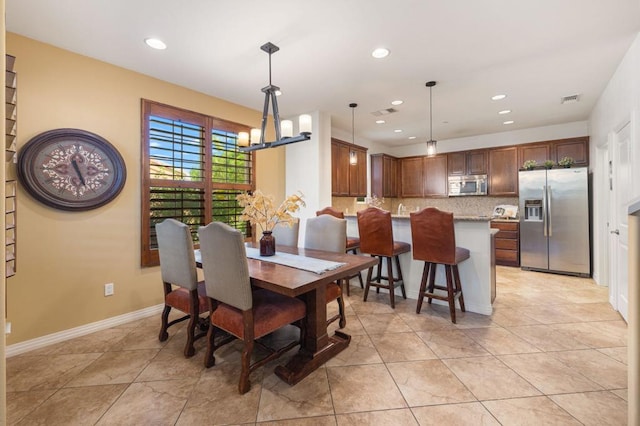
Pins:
x,y
455,217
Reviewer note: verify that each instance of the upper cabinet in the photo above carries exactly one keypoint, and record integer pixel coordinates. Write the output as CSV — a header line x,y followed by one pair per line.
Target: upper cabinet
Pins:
x,y
384,175
556,150
503,171
435,176
348,180
576,148
412,177
467,163
423,176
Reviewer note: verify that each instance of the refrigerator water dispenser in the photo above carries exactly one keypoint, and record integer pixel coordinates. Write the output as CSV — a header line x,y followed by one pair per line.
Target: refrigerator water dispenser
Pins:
x,y
533,210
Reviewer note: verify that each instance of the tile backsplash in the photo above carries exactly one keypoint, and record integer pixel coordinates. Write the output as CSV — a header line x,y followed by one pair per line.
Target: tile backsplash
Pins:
x,y
463,206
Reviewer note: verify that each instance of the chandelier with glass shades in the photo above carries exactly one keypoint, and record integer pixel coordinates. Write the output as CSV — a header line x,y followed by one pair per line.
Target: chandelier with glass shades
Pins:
x,y
284,128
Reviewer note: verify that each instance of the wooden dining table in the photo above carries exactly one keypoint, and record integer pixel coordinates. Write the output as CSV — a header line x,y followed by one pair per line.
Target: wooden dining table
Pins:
x,y
317,346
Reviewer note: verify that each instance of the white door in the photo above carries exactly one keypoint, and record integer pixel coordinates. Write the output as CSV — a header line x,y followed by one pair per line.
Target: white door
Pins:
x,y
619,227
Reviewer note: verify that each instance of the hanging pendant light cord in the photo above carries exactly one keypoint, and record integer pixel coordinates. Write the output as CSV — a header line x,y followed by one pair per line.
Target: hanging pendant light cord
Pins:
x,y
353,127
430,85
353,131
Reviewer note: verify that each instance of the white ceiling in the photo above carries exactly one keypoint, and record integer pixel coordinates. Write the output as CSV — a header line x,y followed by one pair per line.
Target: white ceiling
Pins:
x,y
533,51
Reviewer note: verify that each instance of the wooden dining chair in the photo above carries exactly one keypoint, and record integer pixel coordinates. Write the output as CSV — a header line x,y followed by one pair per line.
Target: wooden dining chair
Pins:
x,y
353,243
328,233
286,235
234,307
182,291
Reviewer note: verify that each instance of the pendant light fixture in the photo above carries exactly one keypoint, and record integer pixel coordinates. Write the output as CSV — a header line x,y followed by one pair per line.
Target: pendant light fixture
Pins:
x,y
284,130
353,155
431,144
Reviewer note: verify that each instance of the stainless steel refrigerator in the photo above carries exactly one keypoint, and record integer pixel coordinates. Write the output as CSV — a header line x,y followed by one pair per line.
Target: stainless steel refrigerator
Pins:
x,y
554,221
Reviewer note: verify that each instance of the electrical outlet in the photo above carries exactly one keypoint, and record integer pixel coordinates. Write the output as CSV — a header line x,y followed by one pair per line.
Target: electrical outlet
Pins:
x,y
7,328
108,289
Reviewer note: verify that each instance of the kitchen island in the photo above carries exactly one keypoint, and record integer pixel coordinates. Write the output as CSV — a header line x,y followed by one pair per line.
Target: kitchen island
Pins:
x,y
477,273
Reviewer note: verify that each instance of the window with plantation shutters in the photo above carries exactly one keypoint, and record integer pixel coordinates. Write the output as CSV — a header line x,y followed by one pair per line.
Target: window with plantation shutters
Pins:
x,y
192,172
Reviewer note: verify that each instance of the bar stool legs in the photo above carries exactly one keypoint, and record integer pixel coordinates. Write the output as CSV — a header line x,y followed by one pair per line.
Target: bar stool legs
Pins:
x,y
359,274
392,282
453,288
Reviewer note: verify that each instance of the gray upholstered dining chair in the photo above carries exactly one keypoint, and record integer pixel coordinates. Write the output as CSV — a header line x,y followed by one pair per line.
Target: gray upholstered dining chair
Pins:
x,y
328,233
234,307
353,243
286,235
178,268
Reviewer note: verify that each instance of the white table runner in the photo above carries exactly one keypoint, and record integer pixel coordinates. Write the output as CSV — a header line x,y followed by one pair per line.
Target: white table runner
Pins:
x,y
317,266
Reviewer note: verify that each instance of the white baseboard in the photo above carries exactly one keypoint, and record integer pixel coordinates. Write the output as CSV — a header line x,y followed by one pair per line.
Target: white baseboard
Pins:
x,y
72,333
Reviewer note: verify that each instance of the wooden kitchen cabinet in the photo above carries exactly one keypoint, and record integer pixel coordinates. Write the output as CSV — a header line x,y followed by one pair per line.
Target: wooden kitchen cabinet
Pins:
x,y
348,180
384,175
412,177
467,163
358,185
555,150
507,243
435,176
539,152
576,148
503,171
423,176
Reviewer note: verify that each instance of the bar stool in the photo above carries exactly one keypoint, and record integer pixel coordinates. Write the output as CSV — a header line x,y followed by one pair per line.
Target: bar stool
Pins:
x,y
434,242
376,239
353,243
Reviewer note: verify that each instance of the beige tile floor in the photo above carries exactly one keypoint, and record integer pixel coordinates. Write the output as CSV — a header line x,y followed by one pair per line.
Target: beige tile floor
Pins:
x,y
553,352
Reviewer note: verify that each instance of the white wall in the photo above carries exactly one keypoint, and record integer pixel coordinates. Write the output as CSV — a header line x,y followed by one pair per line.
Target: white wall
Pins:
x,y
308,169
618,104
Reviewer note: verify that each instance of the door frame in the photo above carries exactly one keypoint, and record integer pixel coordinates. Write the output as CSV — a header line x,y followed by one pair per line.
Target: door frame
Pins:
x,y
611,223
601,213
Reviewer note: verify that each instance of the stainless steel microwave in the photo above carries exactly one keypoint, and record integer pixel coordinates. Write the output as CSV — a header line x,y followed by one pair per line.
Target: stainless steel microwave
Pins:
x,y
467,185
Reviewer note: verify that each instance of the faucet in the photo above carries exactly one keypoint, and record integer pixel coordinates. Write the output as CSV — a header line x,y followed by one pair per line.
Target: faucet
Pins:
x,y
400,209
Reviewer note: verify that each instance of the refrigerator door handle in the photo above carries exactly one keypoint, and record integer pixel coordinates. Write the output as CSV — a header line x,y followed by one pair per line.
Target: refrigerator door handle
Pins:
x,y
549,210
544,210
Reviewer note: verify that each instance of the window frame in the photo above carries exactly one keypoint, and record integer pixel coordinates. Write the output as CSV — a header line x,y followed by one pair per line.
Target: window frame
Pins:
x,y
149,255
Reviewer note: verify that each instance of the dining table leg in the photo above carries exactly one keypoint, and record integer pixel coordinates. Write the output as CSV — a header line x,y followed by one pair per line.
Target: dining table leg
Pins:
x,y
317,348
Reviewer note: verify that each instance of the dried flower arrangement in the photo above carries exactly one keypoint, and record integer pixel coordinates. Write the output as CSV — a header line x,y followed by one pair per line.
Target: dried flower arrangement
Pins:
x,y
259,209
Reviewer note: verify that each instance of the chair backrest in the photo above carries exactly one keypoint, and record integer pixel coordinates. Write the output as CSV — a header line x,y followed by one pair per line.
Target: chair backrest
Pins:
x,y
177,260
326,233
433,236
376,233
330,211
224,262
286,235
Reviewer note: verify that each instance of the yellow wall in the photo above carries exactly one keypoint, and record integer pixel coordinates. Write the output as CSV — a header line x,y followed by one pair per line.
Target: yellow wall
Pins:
x,y
64,259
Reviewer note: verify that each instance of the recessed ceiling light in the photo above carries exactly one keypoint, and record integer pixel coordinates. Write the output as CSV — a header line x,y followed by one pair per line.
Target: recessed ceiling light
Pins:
x,y
398,130
412,137
380,53
508,122
380,121
155,43
398,102
504,111
498,97
278,93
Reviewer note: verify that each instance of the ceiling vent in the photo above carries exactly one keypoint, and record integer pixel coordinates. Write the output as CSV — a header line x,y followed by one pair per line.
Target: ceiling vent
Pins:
x,y
385,111
569,99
